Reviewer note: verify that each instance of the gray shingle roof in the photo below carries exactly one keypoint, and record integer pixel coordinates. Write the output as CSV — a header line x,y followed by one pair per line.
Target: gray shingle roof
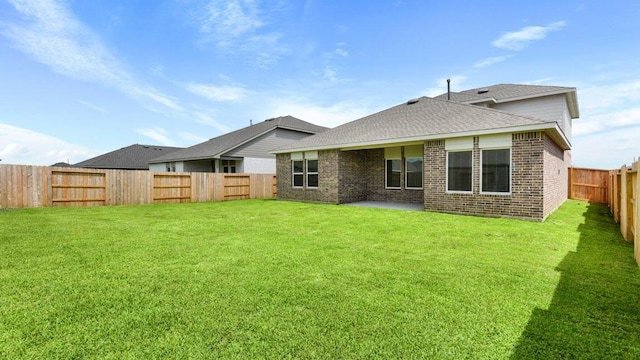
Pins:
x,y
504,92
217,146
426,119
133,157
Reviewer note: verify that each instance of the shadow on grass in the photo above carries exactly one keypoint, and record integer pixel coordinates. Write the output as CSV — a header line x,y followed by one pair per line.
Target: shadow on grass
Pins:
x,y
595,310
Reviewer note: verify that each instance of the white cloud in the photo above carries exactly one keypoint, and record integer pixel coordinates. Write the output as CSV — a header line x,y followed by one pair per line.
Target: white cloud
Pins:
x,y
319,114
27,147
53,36
610,150
234,25
342,52
93,106
491,60
158,134
518,40
206,119
192,138
218,93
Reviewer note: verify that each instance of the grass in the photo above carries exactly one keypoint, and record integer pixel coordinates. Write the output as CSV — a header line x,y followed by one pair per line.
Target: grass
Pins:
x,y
275,279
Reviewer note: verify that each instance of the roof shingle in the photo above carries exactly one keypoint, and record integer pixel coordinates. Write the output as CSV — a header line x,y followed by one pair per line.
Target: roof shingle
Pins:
x,y
133,157
424,119
217,146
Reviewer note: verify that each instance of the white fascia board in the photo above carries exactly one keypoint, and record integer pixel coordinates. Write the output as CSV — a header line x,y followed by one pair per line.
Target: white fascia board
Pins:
x,y
546,126
524,97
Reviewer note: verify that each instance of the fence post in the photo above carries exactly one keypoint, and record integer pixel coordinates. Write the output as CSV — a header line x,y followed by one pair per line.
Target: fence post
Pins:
x,y
636,212
623,202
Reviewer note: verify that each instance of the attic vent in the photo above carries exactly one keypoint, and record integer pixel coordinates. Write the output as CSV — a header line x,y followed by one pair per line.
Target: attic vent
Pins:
x,y
413,101
483,91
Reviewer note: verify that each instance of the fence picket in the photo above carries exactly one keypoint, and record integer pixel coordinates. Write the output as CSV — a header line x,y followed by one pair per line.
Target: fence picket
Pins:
x,y
38,186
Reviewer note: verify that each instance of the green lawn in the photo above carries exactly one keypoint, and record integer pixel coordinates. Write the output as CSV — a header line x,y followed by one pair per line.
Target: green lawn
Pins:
x,y
276,279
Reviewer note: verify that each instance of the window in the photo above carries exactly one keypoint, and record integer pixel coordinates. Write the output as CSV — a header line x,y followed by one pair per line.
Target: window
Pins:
x,y
496,171
459,170
229,166
414,173
312,173
394,173
304,170
413,167
495,159
298,173
393,167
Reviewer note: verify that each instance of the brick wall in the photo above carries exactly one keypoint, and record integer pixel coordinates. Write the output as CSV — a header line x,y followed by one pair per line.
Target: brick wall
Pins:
x,y
526,199
375,179
556,167
327,190
538,183
352,177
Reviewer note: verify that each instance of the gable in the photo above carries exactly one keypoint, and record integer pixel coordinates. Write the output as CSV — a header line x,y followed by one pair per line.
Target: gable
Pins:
x,y
264,144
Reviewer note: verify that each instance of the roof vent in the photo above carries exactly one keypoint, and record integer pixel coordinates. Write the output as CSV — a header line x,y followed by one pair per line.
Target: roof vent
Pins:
x,y
483,91
413,101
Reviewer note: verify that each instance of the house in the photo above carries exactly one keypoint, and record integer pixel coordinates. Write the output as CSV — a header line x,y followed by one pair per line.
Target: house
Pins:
x,y
502,150
132,157
246,150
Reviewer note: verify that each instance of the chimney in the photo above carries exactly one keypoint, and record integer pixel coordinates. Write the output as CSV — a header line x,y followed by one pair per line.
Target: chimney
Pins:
x,y
448,89
250,122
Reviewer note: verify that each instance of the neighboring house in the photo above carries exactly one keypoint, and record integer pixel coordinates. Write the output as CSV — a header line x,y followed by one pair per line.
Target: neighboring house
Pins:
x,y
246,150
133,157
450,156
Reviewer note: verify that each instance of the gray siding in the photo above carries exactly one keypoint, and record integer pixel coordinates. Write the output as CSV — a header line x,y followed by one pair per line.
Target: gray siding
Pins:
x,y
552,108
262,145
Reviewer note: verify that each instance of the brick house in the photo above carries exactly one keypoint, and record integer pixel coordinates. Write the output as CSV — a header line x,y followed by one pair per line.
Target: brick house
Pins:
x,y
502,150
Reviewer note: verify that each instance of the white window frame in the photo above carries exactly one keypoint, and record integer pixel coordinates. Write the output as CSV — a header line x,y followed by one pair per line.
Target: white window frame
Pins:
x,y
406,174
510,171
306,177
294,173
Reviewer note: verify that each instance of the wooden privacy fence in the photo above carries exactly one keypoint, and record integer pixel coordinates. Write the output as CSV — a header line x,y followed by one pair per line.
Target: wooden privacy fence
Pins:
x,y
37,186
624,185
589,184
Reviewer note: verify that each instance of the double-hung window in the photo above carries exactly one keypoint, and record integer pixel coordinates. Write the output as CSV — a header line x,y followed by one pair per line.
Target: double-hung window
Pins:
x,y
413,166
304,170
297,167
311,158
459,164
393,167
496,164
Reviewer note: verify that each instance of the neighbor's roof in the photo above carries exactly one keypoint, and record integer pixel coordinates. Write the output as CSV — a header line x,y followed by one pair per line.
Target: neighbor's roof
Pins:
x,y
423,119
133,157
513,92
217,146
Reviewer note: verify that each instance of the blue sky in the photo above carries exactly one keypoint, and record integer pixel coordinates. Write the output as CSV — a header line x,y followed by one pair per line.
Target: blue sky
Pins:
x,y
80,78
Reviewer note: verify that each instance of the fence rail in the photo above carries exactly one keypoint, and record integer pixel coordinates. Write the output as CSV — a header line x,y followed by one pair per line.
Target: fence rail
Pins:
x,y
41,186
